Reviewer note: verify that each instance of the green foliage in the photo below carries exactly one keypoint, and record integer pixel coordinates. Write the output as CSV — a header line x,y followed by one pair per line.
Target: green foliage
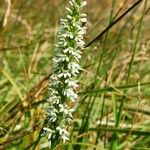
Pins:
x,y
114,82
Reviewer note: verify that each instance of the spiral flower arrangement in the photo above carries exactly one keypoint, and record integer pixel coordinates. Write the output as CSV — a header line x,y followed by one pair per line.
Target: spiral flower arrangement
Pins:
x,y
65,66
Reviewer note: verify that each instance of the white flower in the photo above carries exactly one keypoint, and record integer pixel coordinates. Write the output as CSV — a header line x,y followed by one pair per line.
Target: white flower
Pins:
x,y
62,130
69,10
69,17
74,68
61,57
55,82
83,19
84,3
83,15
63,109
71,3
72,83
70,116
64,74
70,94
63,133
48,132
52,114
53,99
64,138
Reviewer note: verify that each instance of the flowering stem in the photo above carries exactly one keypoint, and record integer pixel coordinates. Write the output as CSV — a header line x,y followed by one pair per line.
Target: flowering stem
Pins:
x,y
63,81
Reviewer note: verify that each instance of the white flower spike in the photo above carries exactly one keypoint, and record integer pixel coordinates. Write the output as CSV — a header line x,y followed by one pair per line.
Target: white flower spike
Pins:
x,y
66,67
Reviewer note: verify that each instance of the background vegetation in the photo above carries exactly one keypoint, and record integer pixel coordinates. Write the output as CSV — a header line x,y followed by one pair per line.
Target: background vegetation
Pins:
x,y
114,104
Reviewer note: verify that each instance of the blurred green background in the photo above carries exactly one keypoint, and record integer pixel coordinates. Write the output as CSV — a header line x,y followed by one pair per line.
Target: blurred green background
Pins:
x,y
114,103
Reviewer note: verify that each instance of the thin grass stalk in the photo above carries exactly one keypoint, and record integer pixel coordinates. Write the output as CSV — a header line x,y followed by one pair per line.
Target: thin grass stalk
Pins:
x,y
101,59
134,50
131,62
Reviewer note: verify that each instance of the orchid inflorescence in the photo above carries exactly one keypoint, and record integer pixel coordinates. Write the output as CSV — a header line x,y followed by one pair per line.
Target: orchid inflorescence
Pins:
x,y
63,81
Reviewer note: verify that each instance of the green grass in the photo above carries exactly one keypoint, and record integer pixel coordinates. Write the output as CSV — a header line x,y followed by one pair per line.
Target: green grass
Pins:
x,y
113,110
